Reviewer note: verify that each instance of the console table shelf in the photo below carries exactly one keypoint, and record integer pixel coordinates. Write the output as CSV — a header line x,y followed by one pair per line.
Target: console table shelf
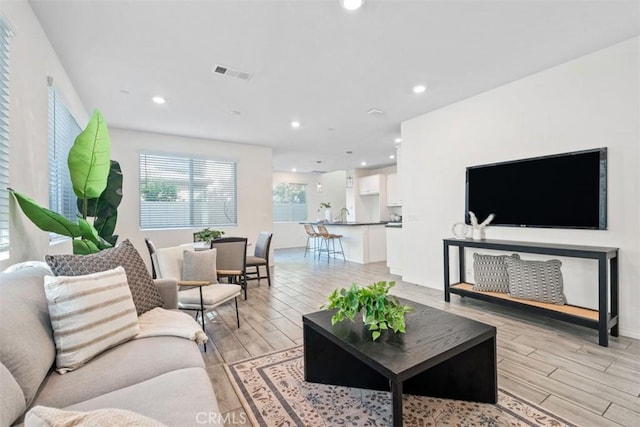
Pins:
x,y
603,319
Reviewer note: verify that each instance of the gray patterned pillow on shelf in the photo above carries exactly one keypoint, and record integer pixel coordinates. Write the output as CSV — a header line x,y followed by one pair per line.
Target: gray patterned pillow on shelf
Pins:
x,y
536,280
490,272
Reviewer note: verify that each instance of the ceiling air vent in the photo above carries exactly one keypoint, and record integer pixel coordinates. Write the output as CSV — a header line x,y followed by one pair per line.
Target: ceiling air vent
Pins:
x,y
231,72
317,171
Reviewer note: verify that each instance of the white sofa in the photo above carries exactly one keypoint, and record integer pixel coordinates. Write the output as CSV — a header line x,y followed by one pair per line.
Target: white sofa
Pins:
x,y
163,378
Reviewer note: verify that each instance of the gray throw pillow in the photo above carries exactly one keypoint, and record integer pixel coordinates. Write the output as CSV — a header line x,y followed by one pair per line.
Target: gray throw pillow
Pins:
x,y
536,280
199,265
490,272
145,293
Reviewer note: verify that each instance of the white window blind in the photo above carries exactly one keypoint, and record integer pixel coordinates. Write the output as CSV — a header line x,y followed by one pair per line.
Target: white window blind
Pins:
x,y
186,192
63,130
5,33
290,202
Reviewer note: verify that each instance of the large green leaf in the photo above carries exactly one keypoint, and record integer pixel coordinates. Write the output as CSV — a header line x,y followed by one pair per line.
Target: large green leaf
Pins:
x,y
107,203
46,219
84,247
106,226
89,159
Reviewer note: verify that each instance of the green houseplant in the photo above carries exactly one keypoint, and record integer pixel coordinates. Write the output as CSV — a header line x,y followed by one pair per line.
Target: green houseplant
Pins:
x,y
380,311
96,181
207,235
324,205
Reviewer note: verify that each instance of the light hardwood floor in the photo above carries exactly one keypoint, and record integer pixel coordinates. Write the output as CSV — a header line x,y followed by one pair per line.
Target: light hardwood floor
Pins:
x,y
553,364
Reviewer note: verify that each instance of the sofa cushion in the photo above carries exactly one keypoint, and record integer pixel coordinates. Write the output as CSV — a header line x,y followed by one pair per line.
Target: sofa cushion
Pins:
x,y
199,265
179,398
121,366
145,294
536,280
12,403
490,272
89,314
43,416
25,326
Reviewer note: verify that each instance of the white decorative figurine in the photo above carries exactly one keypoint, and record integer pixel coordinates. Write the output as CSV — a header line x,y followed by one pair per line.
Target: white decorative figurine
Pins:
x,y
478,229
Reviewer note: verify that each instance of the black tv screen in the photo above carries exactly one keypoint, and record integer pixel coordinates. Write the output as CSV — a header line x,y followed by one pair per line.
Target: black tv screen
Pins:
x,y
566,190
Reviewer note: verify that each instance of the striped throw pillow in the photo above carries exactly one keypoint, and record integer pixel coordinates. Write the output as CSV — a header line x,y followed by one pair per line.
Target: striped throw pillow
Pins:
x,y
89,314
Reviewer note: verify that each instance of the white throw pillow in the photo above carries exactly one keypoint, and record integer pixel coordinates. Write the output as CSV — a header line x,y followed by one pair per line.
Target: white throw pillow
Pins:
x,y
89,314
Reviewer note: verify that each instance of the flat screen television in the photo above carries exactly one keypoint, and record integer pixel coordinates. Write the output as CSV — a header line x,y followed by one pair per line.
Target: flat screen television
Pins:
x,y
566,190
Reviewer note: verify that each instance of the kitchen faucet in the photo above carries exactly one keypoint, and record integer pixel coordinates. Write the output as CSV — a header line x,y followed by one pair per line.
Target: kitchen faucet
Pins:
x,y
344,213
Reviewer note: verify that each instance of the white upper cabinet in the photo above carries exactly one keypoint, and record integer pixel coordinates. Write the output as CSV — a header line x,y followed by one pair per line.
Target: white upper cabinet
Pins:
x,y
370,184
393,190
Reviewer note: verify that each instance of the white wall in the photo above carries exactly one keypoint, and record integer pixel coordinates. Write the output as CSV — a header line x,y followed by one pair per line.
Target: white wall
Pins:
x,y
334,185
32,59
255,211
589,102
291,234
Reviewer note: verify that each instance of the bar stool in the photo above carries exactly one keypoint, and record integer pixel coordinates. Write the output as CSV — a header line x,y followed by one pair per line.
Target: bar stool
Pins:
x,y
312,237
326,238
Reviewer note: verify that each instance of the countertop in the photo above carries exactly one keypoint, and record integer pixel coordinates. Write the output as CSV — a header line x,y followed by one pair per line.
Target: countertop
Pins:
x,y
344,223
394,225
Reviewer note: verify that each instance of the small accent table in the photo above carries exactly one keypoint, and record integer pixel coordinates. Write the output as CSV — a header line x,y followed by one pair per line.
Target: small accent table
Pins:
x,y
440,355
603,319
199,284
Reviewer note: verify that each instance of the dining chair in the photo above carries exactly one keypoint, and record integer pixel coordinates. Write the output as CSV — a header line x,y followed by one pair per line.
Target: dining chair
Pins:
x,y
329,237
231,260
152,253
196,295
260,258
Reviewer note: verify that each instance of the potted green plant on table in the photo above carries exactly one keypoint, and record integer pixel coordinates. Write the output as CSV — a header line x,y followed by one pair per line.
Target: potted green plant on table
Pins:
x,y
207,235
380,311
328,216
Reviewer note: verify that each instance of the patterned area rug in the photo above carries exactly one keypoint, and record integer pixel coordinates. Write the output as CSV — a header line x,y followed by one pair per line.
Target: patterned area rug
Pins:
x,y
273,392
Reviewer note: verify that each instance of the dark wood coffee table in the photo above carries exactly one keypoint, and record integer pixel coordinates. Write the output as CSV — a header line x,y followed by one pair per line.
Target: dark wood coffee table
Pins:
x,y
441,355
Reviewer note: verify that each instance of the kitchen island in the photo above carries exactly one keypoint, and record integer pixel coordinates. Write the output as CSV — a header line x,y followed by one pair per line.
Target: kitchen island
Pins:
x,y
363,242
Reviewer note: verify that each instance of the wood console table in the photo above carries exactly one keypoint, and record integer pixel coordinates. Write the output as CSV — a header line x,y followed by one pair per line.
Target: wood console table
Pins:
x,y
603,319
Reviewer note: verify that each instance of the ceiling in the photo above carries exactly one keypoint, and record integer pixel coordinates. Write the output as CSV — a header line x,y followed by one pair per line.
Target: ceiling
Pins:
x,y
313,62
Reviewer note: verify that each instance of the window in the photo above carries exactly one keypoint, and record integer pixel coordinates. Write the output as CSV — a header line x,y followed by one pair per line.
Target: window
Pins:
x,y
63,130
290,202
185,192
5,33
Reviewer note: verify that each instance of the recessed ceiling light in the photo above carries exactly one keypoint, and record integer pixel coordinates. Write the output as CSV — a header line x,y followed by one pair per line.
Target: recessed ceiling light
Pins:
x,y
293,170
419,88
295,124
392,156
351,4
397,140
363,164
158,100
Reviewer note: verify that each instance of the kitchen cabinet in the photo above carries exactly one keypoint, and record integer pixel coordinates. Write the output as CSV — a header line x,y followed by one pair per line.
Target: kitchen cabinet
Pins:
x,y
393,190
371,184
